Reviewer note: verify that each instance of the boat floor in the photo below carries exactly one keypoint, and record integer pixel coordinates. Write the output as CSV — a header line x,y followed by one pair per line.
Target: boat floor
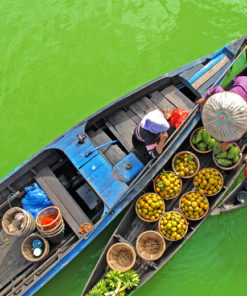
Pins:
x,y
131,227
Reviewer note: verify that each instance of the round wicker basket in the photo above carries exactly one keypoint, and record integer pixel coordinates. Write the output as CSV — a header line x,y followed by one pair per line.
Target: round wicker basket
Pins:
x,y
26,248
121,257
180,181
222,179
150,245
49,212
197,163
188,218
136,209
186,230
235,165
193,146
21,228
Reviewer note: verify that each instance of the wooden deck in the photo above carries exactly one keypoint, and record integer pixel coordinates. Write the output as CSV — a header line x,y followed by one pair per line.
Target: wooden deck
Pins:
x,y
121,124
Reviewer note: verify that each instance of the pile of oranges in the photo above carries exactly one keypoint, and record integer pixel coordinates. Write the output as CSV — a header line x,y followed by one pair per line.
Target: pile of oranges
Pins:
x,y
185,165
167,184
208,181
150,207
173,226
194,205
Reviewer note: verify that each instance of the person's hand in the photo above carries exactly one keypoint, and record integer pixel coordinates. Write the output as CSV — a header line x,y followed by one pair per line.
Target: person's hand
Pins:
x,y
167,114
163,136
201,102
224,146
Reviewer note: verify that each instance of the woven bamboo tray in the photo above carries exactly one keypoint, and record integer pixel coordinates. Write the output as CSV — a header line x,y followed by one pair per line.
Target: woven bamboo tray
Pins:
x,y
186,152
235,165
193,146
136,209
186,230
180,181
222,179
150,245
26,248
121,257
188,218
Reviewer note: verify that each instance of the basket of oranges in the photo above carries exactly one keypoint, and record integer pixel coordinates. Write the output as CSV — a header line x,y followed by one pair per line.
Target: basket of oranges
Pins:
x,y
167,184
209,181
149,207
194,205
173,226
186,164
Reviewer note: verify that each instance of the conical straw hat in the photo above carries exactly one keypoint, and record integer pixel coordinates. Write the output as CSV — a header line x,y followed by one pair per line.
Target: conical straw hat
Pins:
x,y
224,116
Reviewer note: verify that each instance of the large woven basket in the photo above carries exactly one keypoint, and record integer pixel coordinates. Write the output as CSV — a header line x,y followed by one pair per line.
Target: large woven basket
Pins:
x,y
222,178
193,146
180,181
188,218
20,228
235,165
150,245
186,152
185,224
26,248
121,257
136,209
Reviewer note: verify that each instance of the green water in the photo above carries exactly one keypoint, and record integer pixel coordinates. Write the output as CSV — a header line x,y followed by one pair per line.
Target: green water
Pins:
x,y
63,60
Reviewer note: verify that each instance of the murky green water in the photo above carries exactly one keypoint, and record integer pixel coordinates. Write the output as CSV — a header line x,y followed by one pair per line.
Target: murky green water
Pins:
x,y
63,60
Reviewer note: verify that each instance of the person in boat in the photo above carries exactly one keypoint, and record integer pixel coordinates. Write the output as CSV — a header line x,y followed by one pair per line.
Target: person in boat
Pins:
x,y
150,135
239,87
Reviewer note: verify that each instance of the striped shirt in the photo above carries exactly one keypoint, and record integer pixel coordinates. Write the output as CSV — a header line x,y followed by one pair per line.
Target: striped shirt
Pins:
x,y
149,139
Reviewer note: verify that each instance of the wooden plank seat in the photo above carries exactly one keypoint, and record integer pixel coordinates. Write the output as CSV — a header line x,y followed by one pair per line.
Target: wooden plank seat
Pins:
x,y
122,126
142,106
60,197
210,73
112,152
161,101
177,98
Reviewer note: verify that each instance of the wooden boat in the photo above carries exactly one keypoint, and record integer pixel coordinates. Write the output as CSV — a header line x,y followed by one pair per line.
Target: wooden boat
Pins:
x,y
235,200
91,173
132,226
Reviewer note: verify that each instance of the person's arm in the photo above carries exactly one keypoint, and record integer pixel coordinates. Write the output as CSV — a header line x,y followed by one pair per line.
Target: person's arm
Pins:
x,y
160,146
209,93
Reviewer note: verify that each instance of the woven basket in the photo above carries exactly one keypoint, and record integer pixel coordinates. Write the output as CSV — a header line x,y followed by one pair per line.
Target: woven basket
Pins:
x,y
235,165
222,178
18,229
49,212
121,257
172,240
193,146
136,209
186,152
181,184
150,245
26,248
188,218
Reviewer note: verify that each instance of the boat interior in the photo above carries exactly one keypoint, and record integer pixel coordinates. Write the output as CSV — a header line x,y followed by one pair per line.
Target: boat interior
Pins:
x,y
66,187
132,226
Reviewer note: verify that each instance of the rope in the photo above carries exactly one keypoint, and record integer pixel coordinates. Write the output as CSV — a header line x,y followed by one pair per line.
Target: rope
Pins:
x,y
10,195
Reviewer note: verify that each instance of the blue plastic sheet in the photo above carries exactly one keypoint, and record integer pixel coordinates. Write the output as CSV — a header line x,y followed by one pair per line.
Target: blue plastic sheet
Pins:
x,y
35,200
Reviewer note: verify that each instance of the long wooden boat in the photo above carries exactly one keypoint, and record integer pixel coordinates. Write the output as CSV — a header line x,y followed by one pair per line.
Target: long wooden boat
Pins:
x,y
132,226
92,182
